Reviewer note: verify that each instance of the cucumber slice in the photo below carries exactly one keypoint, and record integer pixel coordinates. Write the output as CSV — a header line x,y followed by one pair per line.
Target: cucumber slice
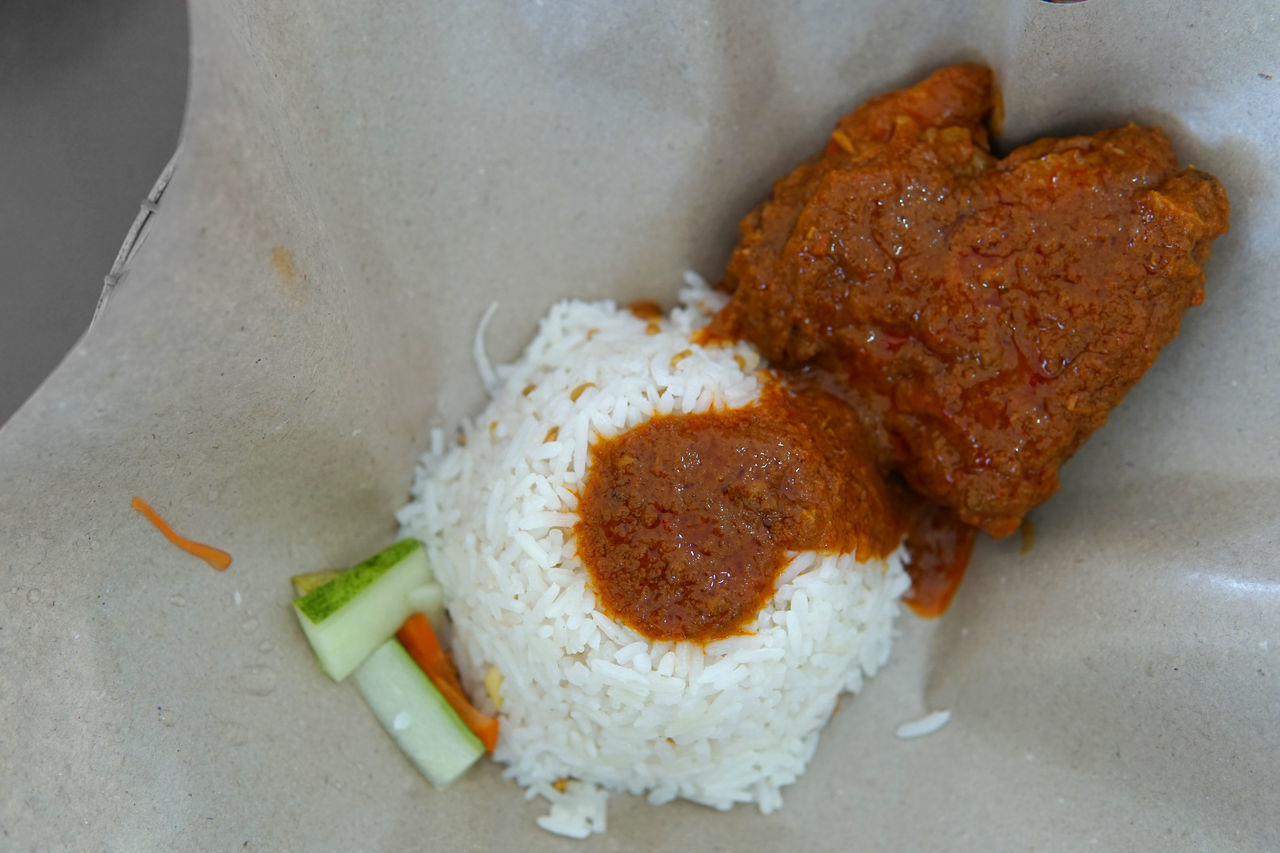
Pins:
x,y
427,599
363,607
413,712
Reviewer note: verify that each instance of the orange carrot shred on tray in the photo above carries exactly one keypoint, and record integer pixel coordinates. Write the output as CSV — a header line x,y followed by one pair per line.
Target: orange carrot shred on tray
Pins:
x,y
419,640
215,557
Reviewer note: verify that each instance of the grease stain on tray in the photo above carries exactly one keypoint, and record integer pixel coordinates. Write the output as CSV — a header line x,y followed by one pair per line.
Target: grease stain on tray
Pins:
x,y
282,262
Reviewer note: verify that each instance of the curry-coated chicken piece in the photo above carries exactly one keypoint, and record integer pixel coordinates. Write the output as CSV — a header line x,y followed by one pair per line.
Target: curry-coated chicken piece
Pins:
x,y
984,315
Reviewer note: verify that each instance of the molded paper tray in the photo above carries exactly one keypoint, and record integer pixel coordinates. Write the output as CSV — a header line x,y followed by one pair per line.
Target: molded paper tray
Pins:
x,y
357,180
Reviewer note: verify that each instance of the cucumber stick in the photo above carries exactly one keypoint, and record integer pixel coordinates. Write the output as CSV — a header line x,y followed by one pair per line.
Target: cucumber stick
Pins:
x,y
413,712
360,609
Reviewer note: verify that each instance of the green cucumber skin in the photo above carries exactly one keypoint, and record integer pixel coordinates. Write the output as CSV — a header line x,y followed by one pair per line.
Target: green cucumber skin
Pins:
x,y
370,616
436,740
324,601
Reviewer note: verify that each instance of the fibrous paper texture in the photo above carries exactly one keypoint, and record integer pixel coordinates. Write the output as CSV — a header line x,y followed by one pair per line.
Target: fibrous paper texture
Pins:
x,y
357,181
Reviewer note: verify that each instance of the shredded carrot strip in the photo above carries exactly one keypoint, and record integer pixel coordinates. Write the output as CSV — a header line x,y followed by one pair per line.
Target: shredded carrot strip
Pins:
x,y
419,640
219,559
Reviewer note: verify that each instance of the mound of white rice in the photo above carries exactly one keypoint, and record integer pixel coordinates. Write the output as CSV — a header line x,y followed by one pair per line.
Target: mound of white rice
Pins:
x,y
584,697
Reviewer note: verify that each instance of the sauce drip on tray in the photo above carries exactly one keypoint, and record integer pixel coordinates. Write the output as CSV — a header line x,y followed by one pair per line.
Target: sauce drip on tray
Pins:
x,y
938,549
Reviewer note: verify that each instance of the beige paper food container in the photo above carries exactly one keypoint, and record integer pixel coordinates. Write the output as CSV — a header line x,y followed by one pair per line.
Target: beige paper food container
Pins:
x,y
357,180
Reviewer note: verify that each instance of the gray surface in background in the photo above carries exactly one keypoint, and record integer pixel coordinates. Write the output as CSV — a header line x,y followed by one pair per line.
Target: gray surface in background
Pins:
x,y
91,99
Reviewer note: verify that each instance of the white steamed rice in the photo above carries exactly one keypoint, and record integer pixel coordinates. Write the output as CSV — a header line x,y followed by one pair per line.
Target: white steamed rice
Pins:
x,y
585,697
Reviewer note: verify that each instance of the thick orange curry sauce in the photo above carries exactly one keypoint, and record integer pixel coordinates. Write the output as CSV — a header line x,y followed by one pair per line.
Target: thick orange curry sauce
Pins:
x,y
944,328
686,520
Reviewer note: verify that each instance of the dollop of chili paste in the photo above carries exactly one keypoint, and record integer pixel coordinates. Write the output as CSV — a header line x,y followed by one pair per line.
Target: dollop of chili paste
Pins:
x,y
686,521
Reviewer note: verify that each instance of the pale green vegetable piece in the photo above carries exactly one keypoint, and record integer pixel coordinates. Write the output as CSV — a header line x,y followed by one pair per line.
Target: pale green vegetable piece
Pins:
x,y
351,615
428,600
413,712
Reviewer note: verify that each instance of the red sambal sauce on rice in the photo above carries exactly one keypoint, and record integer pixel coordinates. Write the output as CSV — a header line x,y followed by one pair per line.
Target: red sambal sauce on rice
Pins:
x,y
686,520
